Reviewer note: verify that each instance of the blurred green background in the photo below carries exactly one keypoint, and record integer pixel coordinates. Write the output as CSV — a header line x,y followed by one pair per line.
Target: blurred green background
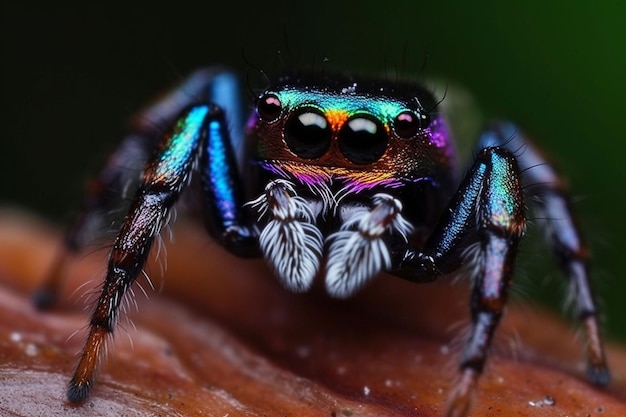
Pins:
x,y
72,76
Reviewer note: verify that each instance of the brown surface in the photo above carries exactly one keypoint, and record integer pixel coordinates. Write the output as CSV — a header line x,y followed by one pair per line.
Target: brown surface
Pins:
x,y
224,339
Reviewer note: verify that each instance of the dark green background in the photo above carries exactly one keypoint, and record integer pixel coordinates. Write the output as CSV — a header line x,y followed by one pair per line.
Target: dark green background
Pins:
x,y
71,77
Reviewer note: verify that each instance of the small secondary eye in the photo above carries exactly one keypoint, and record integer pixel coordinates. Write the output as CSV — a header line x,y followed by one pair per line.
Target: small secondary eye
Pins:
x,y
407,124
307,133
363,139
269,107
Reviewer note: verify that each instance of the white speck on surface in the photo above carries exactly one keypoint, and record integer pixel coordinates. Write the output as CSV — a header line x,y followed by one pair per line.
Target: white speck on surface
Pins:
x,y
444,349
16,337
366,390
545,401
31,349
548,400
388,382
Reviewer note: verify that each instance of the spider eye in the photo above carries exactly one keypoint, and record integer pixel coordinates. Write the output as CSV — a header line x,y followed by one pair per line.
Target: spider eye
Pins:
x,y
407,124
269,107
363,139
308,133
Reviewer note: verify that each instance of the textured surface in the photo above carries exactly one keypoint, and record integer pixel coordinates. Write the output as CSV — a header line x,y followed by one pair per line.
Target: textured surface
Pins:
x,y
223,338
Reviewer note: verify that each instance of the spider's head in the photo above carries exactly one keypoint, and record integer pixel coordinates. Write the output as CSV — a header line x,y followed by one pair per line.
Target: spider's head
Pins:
x,y
342,128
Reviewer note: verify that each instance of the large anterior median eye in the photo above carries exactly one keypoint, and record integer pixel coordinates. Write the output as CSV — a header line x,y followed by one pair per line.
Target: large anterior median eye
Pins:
x,y
363,139
307,133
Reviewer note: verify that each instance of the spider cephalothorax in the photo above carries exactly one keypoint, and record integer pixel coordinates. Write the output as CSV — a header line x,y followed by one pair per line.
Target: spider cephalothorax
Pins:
x,y
342,154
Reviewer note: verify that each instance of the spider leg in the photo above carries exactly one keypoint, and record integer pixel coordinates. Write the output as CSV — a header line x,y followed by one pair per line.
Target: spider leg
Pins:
x,y
551,204
201,129
486,214
106,192
163,179
223,194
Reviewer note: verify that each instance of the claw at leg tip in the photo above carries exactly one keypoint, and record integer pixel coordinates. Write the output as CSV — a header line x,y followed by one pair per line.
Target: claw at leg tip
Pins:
x,y
598,375
78,393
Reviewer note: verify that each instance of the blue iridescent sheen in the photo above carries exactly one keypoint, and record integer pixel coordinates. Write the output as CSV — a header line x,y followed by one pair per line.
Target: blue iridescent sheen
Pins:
x,y
181,146
224,92
503,204
463,208
383,108
220,174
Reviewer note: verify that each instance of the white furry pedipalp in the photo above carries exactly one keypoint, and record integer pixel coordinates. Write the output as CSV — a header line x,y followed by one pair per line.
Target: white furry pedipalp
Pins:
x,y
291,243
356,256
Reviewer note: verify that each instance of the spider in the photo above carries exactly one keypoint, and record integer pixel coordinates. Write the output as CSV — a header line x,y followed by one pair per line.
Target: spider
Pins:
x,y
338,178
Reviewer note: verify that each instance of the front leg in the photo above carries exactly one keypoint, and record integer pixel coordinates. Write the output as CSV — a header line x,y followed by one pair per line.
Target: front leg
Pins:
x,y
487,212
164,178
550,201
223,196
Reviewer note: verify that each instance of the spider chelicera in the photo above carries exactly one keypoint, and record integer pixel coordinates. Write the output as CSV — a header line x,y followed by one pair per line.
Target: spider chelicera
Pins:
x,y
336,178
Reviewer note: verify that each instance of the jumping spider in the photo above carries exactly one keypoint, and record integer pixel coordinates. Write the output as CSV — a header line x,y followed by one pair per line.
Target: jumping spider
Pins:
x,y
339,178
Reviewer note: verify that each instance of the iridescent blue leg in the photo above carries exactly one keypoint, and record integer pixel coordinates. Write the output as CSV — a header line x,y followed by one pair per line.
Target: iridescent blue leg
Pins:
x,y
552,207
199,135
486,215
223,194
105,192
163,180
